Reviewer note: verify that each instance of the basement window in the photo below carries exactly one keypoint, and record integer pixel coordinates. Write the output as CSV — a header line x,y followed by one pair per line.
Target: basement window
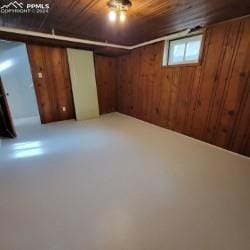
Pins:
x,y
183,50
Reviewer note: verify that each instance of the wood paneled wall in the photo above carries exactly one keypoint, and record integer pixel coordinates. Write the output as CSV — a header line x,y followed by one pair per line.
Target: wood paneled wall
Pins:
x,y
53,90
209,101
105,68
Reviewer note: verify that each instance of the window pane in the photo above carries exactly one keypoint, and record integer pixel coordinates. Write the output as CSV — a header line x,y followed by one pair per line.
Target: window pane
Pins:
x,y
192,51
179,50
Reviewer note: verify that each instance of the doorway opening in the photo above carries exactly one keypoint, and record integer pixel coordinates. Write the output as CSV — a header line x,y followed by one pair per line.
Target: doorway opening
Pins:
x,y
16,77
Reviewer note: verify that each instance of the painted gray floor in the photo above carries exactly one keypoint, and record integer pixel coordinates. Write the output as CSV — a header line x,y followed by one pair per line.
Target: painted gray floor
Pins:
x,y
117,183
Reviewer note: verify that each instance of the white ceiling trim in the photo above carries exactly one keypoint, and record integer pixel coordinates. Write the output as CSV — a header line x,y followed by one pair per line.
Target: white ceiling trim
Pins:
x,y
83,41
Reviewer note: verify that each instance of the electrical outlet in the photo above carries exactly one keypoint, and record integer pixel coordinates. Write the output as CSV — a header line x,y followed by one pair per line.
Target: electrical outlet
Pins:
x,y
40,75
64,109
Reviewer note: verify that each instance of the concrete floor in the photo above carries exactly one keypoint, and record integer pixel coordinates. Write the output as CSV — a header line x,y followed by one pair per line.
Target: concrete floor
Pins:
x,y
117,183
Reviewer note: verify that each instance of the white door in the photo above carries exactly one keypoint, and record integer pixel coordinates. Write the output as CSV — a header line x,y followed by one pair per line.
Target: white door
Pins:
x,y
82,72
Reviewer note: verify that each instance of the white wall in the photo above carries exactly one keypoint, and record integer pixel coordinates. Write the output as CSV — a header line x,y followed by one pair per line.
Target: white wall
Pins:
x,y
17,81
82,72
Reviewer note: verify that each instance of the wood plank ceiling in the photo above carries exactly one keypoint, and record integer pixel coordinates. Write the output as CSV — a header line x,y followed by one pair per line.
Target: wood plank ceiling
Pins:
x,y
147,19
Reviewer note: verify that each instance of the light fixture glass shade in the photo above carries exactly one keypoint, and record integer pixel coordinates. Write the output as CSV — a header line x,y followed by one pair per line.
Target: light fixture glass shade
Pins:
x,y
122,16
112,16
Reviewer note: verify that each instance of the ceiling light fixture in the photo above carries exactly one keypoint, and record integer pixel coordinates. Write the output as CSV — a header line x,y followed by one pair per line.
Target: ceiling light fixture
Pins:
x,y
112,15
118,7
122,16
